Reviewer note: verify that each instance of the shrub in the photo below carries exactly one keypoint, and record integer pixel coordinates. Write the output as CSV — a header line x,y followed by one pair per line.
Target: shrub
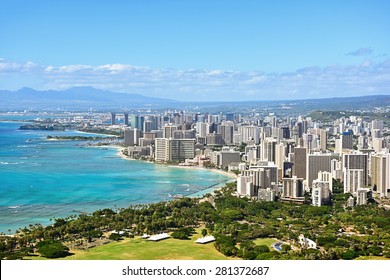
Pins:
x,y
52,249
115,236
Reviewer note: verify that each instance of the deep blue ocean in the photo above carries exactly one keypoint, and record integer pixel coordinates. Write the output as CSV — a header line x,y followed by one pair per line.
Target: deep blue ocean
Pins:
x,y
41,180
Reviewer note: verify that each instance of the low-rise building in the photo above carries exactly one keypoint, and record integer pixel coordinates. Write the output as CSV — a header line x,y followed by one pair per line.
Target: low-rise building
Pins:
x,y
361,196
266,194
306,243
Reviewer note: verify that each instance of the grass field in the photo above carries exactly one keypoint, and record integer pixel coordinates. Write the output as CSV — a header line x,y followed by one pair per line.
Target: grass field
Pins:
x,y
139,249
168,249
372,258
266,241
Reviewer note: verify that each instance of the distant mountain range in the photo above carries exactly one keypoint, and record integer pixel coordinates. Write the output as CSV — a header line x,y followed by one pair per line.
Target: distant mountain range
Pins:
x,y
75,98
83,98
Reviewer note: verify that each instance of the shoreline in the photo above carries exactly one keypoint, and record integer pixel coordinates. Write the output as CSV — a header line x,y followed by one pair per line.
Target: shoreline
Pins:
x,y
198,194
222,172
116,151
86,132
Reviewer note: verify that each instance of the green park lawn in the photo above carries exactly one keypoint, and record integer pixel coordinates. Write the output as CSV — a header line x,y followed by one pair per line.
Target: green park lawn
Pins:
x,y
266,241
139,249
168,249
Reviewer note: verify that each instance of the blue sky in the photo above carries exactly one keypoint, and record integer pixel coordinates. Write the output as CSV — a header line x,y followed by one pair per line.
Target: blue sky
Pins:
x,y
231,50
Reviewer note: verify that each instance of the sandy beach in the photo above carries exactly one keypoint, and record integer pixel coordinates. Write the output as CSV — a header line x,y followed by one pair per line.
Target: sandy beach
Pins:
x,y
231,175
210,190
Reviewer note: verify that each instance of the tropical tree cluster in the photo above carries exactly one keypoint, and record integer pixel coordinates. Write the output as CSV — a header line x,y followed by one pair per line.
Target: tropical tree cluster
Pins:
x,y
237,223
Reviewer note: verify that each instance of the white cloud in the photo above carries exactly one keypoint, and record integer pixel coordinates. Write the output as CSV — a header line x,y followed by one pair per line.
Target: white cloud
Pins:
x,y
361,52
369,77
255,80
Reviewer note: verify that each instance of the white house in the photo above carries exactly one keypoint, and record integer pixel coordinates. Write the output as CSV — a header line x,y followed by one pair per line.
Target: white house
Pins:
x,y
306,243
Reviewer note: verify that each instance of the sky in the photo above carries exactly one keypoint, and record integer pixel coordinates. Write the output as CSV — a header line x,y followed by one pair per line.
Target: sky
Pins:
x,y
198,50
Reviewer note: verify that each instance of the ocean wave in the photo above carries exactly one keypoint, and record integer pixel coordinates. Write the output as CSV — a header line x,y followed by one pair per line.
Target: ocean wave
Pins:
x,y
11,163
14,206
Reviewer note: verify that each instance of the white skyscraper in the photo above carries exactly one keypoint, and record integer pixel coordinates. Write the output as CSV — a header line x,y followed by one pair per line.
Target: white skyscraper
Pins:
x,y
249,133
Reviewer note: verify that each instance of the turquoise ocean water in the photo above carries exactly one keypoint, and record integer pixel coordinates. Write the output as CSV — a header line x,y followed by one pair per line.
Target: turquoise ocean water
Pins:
x,y
41,179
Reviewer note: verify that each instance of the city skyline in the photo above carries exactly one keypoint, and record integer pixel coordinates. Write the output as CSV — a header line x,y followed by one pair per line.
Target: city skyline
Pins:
x,y
198,50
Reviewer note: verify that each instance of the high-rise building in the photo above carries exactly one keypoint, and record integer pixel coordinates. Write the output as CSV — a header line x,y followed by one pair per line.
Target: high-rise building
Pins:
x,y
362,142
305,125
268,149
126,118
336,169
325,178
214,139
300,159
315,163
264,175
202,129
174,149
280,152
148,126
293,187
132,136
181,149
113,118
321,188
380,174
150,135
245,186
144,142
345,142
251,154
162,149
184,134
177,118
129,137
229,156
154,121
168,131
316,195
295,134
137,122
309,141
226,130
249,132
355,171
377,124
377,144
286,132
323,140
